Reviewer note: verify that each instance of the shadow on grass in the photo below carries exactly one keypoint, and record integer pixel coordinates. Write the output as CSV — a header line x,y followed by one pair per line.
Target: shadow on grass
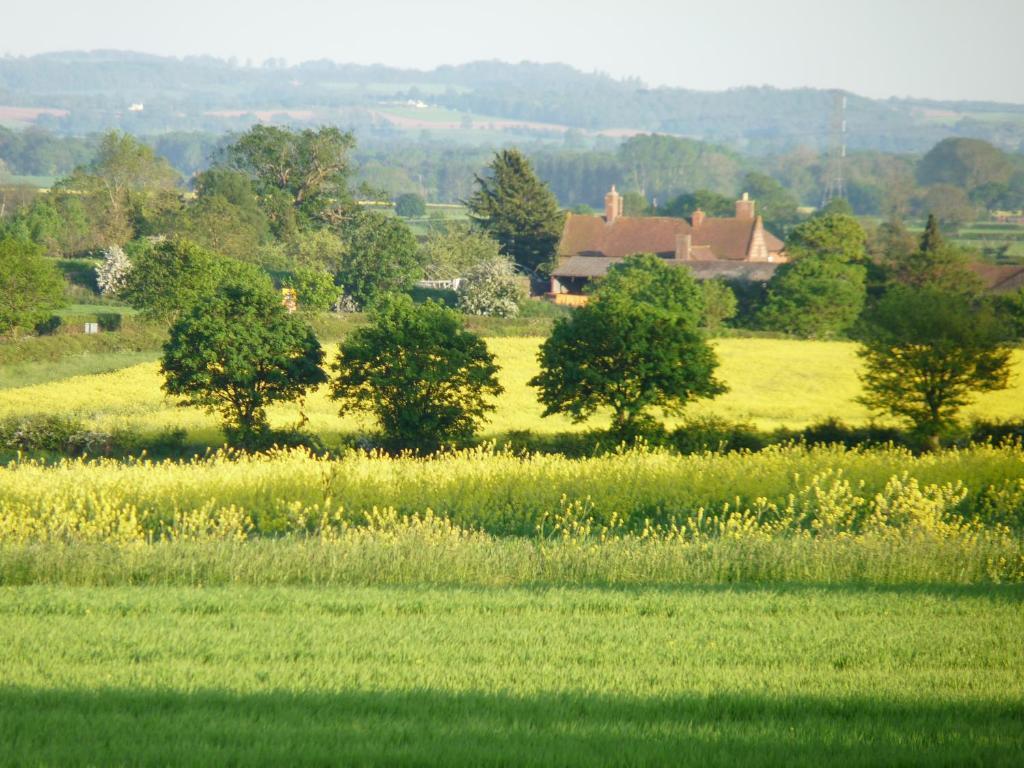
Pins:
x,y
75,727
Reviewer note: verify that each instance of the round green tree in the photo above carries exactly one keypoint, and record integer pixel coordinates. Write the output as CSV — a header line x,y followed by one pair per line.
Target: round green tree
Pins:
x,y
419,372
382,257
31,287
410,205
236,353
926,351
633,348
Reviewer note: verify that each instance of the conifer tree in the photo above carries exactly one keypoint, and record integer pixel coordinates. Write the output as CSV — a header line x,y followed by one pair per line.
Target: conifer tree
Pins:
x,y
519,210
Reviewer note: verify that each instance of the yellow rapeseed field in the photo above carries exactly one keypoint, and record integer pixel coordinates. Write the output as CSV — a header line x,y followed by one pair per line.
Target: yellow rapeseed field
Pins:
x,y
772,383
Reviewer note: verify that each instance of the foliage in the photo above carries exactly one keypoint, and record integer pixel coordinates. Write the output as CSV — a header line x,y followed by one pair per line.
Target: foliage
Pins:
x,y
712,203
226,216
455,249
926,351
381,257
775,203
633,347
30,285
949,204
646,279
238,352
298,174
419,372
518,210
934,263
720,304
661,166
491,288
410,205
168,278
832,235
963,163
112,274
821,292
124,184
315,289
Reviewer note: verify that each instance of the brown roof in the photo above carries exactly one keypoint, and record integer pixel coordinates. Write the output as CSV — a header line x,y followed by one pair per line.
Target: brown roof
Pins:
x,y
592,236
724,269
714,239
999,278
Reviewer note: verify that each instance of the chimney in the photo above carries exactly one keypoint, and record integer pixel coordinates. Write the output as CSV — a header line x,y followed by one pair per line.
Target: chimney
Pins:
x,y
698,218
612,205
683,247
745,207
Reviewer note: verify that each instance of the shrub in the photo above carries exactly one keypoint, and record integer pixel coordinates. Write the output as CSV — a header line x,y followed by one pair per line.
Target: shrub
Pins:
x,y
490,288
49,326
109,321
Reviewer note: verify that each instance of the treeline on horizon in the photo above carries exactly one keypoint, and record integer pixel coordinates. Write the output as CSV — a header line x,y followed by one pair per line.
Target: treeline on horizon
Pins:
x,y
958,180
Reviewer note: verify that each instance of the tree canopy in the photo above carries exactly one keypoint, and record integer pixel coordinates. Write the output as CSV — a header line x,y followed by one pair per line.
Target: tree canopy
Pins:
x,y
238,352
628,353
926,351
419,372
518,210
30,286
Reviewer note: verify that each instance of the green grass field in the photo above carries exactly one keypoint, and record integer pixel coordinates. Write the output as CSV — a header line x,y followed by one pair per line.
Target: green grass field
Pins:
x,y
772,383
427,676
817,606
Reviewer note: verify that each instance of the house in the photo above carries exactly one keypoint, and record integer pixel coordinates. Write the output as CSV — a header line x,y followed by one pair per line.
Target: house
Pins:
x,y
998,278
731,248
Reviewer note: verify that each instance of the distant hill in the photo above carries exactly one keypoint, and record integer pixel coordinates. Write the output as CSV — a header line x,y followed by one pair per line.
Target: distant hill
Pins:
x,y
83,92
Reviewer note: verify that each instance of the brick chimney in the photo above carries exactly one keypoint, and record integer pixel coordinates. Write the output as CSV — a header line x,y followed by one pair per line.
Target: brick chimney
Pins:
x,y
698,218
745,208
612,205
683,247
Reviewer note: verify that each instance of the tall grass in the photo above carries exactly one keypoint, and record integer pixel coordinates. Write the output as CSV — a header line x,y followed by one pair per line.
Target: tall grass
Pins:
x,y
636,517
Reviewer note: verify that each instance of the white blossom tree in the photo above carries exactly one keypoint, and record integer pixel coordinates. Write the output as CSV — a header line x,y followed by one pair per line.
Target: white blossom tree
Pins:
x,y
112,274
490,288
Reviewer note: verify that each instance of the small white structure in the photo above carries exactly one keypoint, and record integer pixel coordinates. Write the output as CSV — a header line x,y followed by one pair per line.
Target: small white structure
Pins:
x,y
92,328
137,107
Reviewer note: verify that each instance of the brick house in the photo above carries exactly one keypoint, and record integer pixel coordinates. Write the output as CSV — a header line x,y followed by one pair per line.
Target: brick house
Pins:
x,y
732,248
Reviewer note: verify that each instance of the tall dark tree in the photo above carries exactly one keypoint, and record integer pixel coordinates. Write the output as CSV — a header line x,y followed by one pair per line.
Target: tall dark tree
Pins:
x,y
238,352
424,377
518,210
926,351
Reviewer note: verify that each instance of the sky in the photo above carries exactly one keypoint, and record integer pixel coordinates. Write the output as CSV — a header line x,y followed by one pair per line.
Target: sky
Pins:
x,y
942,49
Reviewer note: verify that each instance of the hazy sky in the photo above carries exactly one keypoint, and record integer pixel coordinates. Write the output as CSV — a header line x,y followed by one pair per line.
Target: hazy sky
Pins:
x,y
930,48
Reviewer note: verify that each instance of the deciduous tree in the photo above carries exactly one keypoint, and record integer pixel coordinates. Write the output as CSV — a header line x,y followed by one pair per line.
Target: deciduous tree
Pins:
x,y
628,353
31,287
238,352
419,372
926,352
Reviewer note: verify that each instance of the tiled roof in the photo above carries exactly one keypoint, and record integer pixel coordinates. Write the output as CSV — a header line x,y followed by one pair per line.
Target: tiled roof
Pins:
x,y
725,269
715,238
592,236
998,278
